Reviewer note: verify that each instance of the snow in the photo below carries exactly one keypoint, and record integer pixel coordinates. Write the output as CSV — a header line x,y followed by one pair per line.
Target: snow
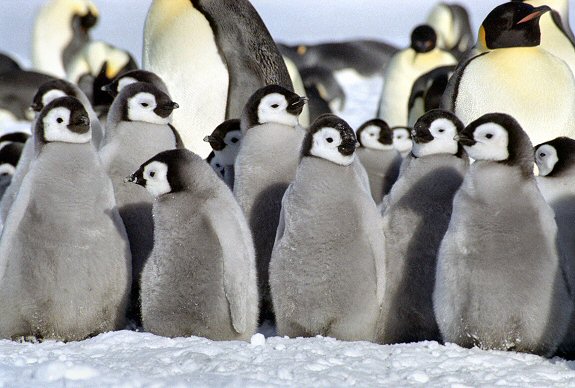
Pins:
x,y
133,359
136,359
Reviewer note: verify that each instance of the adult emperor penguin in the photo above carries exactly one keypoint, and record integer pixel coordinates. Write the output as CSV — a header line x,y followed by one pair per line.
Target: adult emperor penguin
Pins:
x,y
508,77
213,55
46,93
265,166
556,181
380,159
327,272
201,280
404,68
402,139
225,140
61,30
138,128
451,23
422,196
427,91
57,280
499,281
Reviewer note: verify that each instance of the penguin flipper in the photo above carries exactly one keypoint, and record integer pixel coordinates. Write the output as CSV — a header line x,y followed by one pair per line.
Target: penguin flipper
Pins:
x,y
238,258
179,142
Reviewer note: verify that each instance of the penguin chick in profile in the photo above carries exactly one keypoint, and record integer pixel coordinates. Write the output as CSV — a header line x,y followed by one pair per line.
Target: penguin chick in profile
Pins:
x,y
380,159
138,128
513,75
48,92
264,168
225,141
402,140
499,281
404,68
416,216
327,267
556,181
64,252
201,276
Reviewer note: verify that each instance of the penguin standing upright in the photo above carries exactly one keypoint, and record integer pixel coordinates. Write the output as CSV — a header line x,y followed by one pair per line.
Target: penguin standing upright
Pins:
x,y
415,217
377,154
200,280
499,282
265,166
138,128
404,68
451,23
213,55
61,30
556,163
64,255
327,272
225,140
516,76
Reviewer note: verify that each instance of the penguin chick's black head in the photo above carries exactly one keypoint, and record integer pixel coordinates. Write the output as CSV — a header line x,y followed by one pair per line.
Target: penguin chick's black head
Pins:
x,y
63,120
15,137
167,172
51,90
423,39
555,158
513,24
218,137
330,138
272,104
434,132
131,77
498,137
146,103
10,153
374,132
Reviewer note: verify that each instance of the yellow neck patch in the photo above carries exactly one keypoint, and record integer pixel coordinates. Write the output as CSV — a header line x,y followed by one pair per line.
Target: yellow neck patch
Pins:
x,y
481,42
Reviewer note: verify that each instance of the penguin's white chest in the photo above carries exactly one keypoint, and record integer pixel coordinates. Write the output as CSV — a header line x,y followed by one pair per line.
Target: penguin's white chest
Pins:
x,y
180,46
531,85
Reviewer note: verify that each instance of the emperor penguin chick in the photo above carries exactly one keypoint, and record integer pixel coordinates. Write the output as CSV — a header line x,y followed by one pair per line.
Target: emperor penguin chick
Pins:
x,y
225,141
138,128
64,254
556,181
201,276
499,280
402,140
328,263
377,154
416,216
265,166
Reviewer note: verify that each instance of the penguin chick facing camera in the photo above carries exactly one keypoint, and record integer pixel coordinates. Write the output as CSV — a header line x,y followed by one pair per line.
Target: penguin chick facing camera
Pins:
x,y
200,278
59,281
500,280
327,271
416,215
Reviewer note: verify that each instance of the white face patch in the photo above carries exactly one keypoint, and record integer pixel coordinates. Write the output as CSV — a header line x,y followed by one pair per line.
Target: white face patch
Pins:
x,y
232,140
141,108
546,158
56,128
6,170
443,131
370,138
491,143
51,95
272,109
217,165
156,176
324,145
123,82
401,140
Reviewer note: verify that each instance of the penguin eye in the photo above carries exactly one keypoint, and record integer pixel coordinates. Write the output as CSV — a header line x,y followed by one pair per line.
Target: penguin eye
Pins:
x,y
372,134
144,104
489,136
218,165
542,154
60,120
152,173
329,140
234,139
441,130
275,106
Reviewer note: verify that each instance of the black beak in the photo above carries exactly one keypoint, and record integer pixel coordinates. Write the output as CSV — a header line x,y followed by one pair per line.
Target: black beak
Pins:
x,y
296,106
136,178
109,88
347,148
420,135
80,124
164,110
216,143
537,12
464,140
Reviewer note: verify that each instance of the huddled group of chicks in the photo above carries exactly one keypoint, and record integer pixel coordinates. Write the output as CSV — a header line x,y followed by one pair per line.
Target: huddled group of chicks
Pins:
x,y
324,230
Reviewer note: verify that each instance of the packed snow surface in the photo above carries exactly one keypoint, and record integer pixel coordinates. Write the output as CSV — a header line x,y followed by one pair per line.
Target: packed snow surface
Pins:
x,y
133,359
